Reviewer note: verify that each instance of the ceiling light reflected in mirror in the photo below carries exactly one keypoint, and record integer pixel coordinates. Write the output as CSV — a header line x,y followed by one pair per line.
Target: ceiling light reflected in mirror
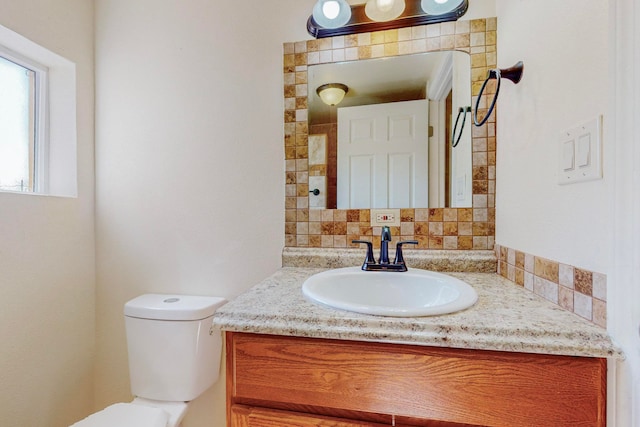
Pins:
x,y
332,93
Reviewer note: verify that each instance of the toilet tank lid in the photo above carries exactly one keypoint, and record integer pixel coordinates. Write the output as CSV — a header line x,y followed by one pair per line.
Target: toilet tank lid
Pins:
x,y
172,307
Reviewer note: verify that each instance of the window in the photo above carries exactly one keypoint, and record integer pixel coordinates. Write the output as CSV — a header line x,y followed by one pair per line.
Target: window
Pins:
x,y
38,134
22,123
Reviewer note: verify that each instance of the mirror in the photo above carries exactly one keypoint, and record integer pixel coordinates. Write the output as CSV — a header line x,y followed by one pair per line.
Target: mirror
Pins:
x,y
360,156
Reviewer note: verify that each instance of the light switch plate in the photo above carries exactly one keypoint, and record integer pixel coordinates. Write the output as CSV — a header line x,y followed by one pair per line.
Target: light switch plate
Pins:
x,y
580,153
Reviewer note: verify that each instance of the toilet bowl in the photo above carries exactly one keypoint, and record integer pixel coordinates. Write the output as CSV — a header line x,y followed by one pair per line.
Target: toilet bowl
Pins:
x,y
174,356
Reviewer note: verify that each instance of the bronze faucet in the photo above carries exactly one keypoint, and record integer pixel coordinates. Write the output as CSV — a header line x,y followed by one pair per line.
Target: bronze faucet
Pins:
x,y
383,263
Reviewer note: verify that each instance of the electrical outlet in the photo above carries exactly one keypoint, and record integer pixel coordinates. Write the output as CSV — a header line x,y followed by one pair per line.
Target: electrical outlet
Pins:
x,y
388,217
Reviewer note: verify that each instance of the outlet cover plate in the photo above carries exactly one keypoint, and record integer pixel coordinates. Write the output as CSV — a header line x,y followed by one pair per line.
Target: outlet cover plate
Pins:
x,y
388,217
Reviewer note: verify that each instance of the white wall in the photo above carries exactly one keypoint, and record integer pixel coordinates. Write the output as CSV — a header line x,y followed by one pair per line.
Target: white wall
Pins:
x,y
564,47
47,269
190,169
623,291
579,62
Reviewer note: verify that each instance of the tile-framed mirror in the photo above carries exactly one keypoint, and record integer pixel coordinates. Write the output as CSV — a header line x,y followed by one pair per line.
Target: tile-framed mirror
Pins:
x,y
434,227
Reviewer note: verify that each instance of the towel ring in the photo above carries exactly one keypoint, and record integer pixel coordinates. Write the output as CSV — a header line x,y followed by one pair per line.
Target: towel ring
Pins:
x,y
513,73
455,141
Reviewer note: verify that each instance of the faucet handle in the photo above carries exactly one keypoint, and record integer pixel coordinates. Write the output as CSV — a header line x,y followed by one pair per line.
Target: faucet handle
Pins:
x,y
399,258
370,259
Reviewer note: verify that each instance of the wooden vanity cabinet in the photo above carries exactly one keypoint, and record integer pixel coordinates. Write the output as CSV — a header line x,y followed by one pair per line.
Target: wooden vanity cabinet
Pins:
x,y
303,382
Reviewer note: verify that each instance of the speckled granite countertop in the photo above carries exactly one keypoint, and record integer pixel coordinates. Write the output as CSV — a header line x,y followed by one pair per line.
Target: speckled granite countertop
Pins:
x,y
505,318
479,261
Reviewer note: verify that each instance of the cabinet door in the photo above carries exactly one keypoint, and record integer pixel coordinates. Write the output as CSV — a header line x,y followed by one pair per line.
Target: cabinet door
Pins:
x,y
247,416
480,388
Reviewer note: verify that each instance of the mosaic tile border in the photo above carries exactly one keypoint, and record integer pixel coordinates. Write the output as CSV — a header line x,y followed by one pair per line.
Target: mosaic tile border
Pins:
x,y
580,291
442,228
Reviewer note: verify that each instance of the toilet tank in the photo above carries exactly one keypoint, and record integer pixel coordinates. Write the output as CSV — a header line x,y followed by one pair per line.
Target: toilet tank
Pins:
x,y
174,352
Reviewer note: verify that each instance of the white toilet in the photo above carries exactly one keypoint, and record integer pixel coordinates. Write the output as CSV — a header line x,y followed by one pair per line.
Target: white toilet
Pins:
x,y
174,356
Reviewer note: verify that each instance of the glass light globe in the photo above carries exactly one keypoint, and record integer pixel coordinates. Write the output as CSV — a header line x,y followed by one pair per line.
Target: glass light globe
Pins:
x,y
332,93
331,13
384,5
331,9
439,7
384,10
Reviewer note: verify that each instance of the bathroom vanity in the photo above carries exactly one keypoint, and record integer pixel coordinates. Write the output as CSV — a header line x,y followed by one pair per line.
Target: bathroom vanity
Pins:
x,y
513,359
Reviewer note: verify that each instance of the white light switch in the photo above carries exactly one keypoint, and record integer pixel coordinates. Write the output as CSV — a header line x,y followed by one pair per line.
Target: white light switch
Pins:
x,y
568,155
580,153
584,150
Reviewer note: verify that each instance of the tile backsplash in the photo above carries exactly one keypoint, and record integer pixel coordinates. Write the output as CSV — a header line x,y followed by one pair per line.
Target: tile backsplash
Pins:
x,y
580,291
439,228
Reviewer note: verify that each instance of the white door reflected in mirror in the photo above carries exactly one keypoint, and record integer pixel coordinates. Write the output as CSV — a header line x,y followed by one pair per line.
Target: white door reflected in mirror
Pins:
x,y
442,80
382,156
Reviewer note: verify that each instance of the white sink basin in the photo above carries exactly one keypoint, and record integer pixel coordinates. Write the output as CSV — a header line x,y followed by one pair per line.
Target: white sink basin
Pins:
x,y
408,294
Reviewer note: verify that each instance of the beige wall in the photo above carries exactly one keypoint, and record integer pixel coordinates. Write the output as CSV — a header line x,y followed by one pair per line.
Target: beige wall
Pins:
x,y
564,47
579,63
47,270
190,178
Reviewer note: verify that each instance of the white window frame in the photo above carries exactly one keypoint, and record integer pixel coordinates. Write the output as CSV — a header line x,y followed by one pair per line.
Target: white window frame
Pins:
x,y
41,117
58,168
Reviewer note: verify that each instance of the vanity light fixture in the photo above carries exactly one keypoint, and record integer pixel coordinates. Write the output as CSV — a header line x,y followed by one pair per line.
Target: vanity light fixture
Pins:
x,y
332,93
384,10
331,13
336,18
